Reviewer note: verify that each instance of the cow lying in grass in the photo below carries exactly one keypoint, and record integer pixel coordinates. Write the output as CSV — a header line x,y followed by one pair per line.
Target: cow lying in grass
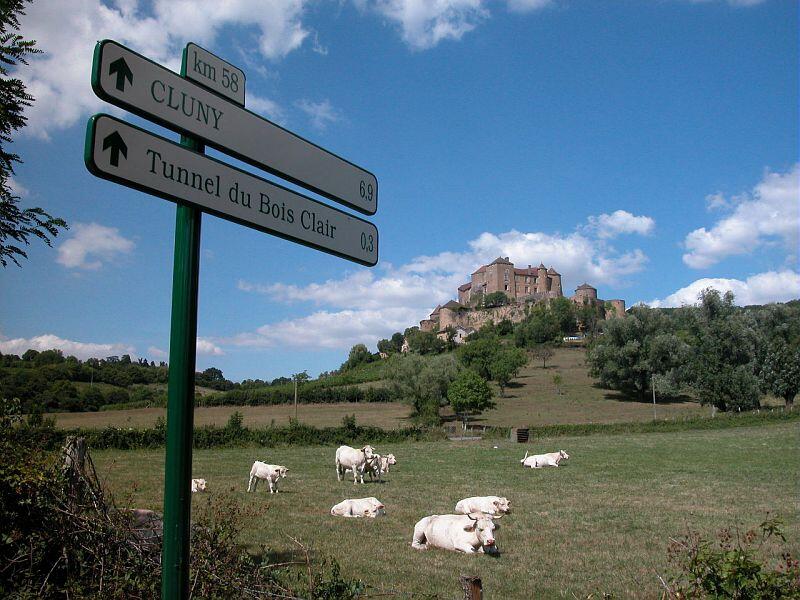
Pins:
x,y
269,473
462,533
359,507
537,461
491,505
198,485
350,459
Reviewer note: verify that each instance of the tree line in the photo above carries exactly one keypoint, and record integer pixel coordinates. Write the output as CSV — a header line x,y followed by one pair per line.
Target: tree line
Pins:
x,y
723,355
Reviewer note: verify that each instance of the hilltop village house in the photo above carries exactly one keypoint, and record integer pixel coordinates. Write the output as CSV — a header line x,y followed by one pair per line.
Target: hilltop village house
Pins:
x,y
520,285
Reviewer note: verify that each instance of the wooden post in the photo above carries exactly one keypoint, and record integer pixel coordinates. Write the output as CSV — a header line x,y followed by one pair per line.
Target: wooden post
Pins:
x,y
473,589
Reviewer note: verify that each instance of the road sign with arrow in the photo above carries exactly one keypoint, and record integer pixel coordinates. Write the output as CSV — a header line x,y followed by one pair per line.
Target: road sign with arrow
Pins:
x,y
137,84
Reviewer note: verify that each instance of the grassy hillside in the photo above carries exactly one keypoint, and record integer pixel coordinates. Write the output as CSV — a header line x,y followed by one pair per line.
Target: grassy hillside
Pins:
x,y
601,522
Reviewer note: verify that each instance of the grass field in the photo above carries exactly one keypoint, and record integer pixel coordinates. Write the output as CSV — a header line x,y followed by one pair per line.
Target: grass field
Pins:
x,y
532,400
601,522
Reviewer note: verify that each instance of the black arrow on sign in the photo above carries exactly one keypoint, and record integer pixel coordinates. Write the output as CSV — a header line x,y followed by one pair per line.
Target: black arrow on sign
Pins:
x,y
117,145
123,71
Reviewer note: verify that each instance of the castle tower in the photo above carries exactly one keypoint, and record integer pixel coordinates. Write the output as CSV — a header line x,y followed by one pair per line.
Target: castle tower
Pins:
x,y
541,279
555,281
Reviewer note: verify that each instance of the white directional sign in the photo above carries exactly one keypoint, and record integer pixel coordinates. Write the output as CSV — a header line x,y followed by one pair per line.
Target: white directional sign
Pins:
x,y
214,73
136,158
141,86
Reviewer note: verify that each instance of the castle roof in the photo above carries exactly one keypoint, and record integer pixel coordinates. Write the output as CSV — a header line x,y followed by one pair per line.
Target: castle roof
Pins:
x,y
541,265
586,286
552,271
480,270
452,305
436,310
518,271
501,260
465,287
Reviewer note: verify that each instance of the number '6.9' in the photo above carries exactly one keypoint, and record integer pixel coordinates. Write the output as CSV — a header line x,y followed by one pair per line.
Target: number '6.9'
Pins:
x,y
366,190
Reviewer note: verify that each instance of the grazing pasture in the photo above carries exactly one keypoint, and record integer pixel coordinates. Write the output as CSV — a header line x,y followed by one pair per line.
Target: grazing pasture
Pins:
x,y
600,522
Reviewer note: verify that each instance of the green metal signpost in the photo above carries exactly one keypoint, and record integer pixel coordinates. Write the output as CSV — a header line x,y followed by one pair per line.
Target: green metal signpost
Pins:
x,y
120,152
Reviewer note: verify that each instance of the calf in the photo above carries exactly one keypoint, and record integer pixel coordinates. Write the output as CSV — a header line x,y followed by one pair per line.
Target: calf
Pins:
x,y
491,505
359,507
269,473
537,461
198,485
348,458
462,533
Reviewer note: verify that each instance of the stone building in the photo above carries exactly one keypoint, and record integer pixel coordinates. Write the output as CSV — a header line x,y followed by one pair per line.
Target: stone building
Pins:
x,y
520,285
500,275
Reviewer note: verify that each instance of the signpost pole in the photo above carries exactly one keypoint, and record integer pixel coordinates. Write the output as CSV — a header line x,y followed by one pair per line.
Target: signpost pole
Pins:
x,y
180,405
180,402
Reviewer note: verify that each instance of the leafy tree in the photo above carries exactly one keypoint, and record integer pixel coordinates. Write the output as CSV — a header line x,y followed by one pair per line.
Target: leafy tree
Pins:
x,y
495,299
424,342
539,327
557,381
422,382
359,354
635,348
385,346
543,352
505,327
564,313
397,341
478,355
17,225
469,393
723,366
506,365
92,398
118,396
780,371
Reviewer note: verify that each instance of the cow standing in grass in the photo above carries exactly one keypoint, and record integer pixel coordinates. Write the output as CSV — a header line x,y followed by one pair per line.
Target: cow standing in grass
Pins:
x,y
268,473
348,458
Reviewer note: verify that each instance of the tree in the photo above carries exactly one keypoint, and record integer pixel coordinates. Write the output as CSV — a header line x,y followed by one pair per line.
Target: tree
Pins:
x,y
557,381
723,365
539,327
385,346
424,342
469,393
17,225
495,299
478,355
543,352
780,371
422,383
635,348
506,365
564,313
92,398
359,354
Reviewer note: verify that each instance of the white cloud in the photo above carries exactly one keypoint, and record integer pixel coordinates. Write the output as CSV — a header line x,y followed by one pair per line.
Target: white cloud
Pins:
x,y
368,307
330,330
768,214
762,288
82,350
620,222
321,114
267,108
156,352
58,79
527,5
424,23
90,245
17,188
208,347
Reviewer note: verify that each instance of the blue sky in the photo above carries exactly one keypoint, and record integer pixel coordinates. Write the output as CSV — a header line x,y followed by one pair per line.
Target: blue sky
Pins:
x,y
648,147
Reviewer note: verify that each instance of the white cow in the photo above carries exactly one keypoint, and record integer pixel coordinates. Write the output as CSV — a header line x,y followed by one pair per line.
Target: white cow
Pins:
x,y
537,461
463,533
387,460
269,473
198,485
348,458
359,507
378,465
491,505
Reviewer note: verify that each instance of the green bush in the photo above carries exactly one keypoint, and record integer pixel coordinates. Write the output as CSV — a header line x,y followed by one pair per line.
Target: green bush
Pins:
x,y
735,566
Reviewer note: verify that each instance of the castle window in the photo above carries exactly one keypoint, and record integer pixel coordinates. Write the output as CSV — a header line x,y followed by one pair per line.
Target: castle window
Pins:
x,y
506,277
527,289
506,286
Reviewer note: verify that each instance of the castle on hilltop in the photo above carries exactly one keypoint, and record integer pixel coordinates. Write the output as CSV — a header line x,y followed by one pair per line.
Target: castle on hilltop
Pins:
x,y
520,285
